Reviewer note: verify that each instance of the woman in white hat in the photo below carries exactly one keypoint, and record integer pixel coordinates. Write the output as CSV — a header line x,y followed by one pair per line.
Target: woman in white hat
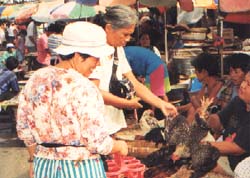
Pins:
x,y
60,113
10,51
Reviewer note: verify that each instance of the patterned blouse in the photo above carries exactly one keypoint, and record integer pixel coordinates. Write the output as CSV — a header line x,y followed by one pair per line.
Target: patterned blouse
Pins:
x,y
61,106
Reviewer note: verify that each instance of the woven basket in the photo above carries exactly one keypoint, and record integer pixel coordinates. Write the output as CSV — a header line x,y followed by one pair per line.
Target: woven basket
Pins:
x,y
141,148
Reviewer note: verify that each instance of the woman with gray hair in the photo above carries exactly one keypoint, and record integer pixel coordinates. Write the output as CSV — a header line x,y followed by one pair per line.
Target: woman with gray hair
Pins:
x,y
119,23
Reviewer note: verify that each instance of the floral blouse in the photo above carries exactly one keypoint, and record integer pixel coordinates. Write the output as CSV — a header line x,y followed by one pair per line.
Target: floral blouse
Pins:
x,y
61,106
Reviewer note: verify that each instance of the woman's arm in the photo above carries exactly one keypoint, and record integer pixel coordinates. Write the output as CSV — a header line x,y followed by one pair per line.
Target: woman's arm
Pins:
x,y
31,150
228,148
145,94
214,122
110,99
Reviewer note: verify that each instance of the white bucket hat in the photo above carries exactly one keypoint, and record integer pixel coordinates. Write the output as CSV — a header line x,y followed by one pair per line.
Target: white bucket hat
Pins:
x,y
85,38
10,45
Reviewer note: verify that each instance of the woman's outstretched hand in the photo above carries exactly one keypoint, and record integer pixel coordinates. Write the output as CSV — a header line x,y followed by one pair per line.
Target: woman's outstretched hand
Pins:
x,y
168,109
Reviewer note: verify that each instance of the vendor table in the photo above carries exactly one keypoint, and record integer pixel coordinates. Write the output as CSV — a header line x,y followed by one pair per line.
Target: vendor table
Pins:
x,y
8,114
30,57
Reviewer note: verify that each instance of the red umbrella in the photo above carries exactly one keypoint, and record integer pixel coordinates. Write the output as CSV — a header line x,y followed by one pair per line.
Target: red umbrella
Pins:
x,y
241,18
25,16
234,6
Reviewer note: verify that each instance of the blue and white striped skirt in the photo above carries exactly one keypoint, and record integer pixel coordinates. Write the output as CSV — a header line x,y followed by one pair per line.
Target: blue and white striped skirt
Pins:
x,y
48,168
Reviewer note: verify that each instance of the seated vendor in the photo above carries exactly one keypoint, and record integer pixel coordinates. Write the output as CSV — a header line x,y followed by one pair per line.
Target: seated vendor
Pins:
x,y
238,67
10,51
235,143
8,79
207,72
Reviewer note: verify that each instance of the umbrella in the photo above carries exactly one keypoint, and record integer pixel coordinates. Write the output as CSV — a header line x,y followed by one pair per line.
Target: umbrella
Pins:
x,y
44,9
116,2
240,18
150,3
204,3
2,8
75,10
25,14
23,7
234,6
87,2
8,10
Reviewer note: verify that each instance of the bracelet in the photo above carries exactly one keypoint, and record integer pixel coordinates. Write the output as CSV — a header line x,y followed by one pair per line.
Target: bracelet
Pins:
x,y
30,160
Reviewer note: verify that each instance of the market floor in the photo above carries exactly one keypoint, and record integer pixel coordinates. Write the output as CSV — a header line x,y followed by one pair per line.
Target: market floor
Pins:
x,y
13,156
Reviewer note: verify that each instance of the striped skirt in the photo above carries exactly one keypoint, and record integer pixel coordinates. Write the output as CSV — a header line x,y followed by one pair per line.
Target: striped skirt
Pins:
x,y
48,168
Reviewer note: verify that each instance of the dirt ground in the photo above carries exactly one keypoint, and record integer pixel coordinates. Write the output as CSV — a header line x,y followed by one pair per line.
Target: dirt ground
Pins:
x,y
13,156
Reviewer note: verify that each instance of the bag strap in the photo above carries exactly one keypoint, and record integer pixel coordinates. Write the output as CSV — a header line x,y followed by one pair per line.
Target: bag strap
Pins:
x,y
115,65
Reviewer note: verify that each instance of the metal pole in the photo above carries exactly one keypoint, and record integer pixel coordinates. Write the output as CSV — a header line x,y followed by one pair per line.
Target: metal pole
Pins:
x,y
138,14
166,37
220,34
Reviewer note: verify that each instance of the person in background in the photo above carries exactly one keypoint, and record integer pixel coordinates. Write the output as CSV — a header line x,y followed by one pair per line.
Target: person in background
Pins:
x,y
145,41
10,51
8,79
2,35
238,67
236,143
20,45
147,64
43,54
60,116
149,25
54,40
12,32
207,72
31,37
119,23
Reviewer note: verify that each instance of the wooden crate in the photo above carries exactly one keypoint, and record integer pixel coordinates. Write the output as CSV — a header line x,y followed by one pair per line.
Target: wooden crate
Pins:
x,y
142,148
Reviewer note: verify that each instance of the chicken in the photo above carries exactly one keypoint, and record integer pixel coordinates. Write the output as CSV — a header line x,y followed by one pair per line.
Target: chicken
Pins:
x,y
186,139
156,135
176,130
154,129
161,156
160,171
204,159
183,172
148,121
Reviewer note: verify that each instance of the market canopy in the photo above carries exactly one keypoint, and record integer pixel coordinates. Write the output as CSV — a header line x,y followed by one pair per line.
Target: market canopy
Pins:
x,y
44,8
75,10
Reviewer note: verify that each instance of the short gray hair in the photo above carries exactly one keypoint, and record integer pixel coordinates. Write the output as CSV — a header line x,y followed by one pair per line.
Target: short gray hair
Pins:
x,y
120,16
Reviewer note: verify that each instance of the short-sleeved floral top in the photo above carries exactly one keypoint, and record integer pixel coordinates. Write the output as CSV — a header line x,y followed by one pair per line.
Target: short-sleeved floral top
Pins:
x,y
61,106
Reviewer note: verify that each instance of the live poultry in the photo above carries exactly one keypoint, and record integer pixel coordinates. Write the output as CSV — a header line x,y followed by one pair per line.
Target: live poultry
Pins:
x,y
187,140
